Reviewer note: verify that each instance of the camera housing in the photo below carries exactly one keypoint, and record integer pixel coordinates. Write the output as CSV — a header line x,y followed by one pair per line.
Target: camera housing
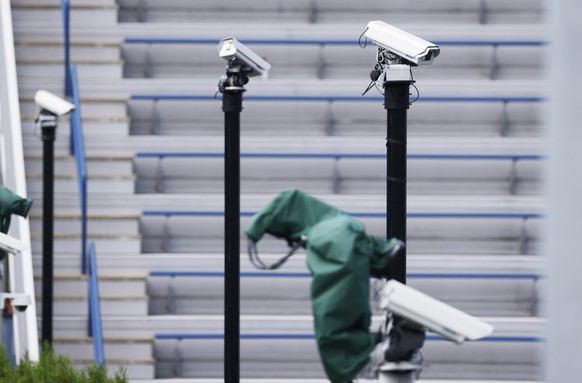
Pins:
x,y
231,49
435,315
11,244
407,46
19,301
52,103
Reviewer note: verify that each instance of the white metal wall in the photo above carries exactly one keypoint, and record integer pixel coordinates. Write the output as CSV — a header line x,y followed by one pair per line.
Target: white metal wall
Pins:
x,y
13,177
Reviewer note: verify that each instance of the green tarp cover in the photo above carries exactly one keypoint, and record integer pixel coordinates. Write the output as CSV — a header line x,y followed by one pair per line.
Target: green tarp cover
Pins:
x,y
341,258
11,203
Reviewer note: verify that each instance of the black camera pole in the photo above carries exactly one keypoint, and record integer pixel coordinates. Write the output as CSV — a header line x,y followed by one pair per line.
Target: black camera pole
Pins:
x,y
47,122
232,88
396,103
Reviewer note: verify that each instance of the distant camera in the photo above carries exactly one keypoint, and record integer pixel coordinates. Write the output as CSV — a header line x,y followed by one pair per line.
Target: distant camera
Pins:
x,y
53,104
405,45
231,49
19,301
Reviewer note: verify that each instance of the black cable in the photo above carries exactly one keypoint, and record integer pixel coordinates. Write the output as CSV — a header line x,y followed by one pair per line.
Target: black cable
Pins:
x,y
365,40
259,264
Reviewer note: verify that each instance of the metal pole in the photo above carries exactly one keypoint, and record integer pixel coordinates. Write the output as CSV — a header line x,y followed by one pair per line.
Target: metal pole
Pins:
x,y
396,103
48,125
232,106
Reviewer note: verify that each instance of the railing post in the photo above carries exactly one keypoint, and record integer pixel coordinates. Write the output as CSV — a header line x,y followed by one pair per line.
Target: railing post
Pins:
x,y
513,177
166,235
159,187
494,69
65,7
95,327
504,119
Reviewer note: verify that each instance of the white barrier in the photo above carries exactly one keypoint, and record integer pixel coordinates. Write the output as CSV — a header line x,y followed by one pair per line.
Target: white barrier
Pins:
x,y
13,177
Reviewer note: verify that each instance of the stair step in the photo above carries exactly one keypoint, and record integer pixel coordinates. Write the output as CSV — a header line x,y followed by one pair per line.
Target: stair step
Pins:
x,y
67,183
108,285
114,349
79,16
104,110
31,51
105,244
85,70
110,305
97,227
93,126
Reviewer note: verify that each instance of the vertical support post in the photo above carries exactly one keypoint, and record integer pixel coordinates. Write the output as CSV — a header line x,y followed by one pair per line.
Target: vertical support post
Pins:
x,y
232,106
66,10
48,125
396,103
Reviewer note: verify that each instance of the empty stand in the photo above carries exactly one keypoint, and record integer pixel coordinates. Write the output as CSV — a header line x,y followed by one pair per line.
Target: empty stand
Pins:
x,y
154,139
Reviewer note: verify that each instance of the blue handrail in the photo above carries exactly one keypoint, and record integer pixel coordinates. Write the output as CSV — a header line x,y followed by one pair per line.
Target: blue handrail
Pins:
x,y
303,336
65,10
179,40
336,155
331,98
484,215
305,274
78,150
95,326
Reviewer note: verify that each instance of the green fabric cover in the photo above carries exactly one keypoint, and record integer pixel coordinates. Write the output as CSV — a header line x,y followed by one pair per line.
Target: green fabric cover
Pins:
x,y
341,258
11,203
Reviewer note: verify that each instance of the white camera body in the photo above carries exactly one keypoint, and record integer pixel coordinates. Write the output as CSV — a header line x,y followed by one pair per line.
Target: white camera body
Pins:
x,y
436,316
19,301
401,43
11,244
53,104
230,48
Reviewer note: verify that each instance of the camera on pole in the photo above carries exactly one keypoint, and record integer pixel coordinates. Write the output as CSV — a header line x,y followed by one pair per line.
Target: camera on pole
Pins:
x,y
397,52
51,107
242,63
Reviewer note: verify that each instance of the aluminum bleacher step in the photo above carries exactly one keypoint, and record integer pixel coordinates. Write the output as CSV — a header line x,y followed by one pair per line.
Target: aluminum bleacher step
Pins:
x,y
67,183
81,348
70,243
108,285
110,305
85,69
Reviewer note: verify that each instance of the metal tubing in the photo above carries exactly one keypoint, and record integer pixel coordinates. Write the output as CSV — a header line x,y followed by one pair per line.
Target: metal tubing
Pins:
x,y
396,103
232,106
48,137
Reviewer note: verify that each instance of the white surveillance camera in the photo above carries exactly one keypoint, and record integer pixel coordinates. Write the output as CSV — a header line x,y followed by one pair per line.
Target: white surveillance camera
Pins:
x,y
53,104
11,244
231,49
436,316
401,43
19,301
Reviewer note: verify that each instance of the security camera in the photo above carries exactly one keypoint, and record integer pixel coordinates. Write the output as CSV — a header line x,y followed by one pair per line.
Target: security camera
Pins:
x,y
231,49
53,104
11,244
405,45
19,301
436,316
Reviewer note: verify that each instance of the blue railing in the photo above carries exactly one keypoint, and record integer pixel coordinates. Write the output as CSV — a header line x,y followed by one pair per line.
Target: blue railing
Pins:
x,y
485,215
95,328
332,98
304,274
77,148
303,336
190,41
66,11
363,156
